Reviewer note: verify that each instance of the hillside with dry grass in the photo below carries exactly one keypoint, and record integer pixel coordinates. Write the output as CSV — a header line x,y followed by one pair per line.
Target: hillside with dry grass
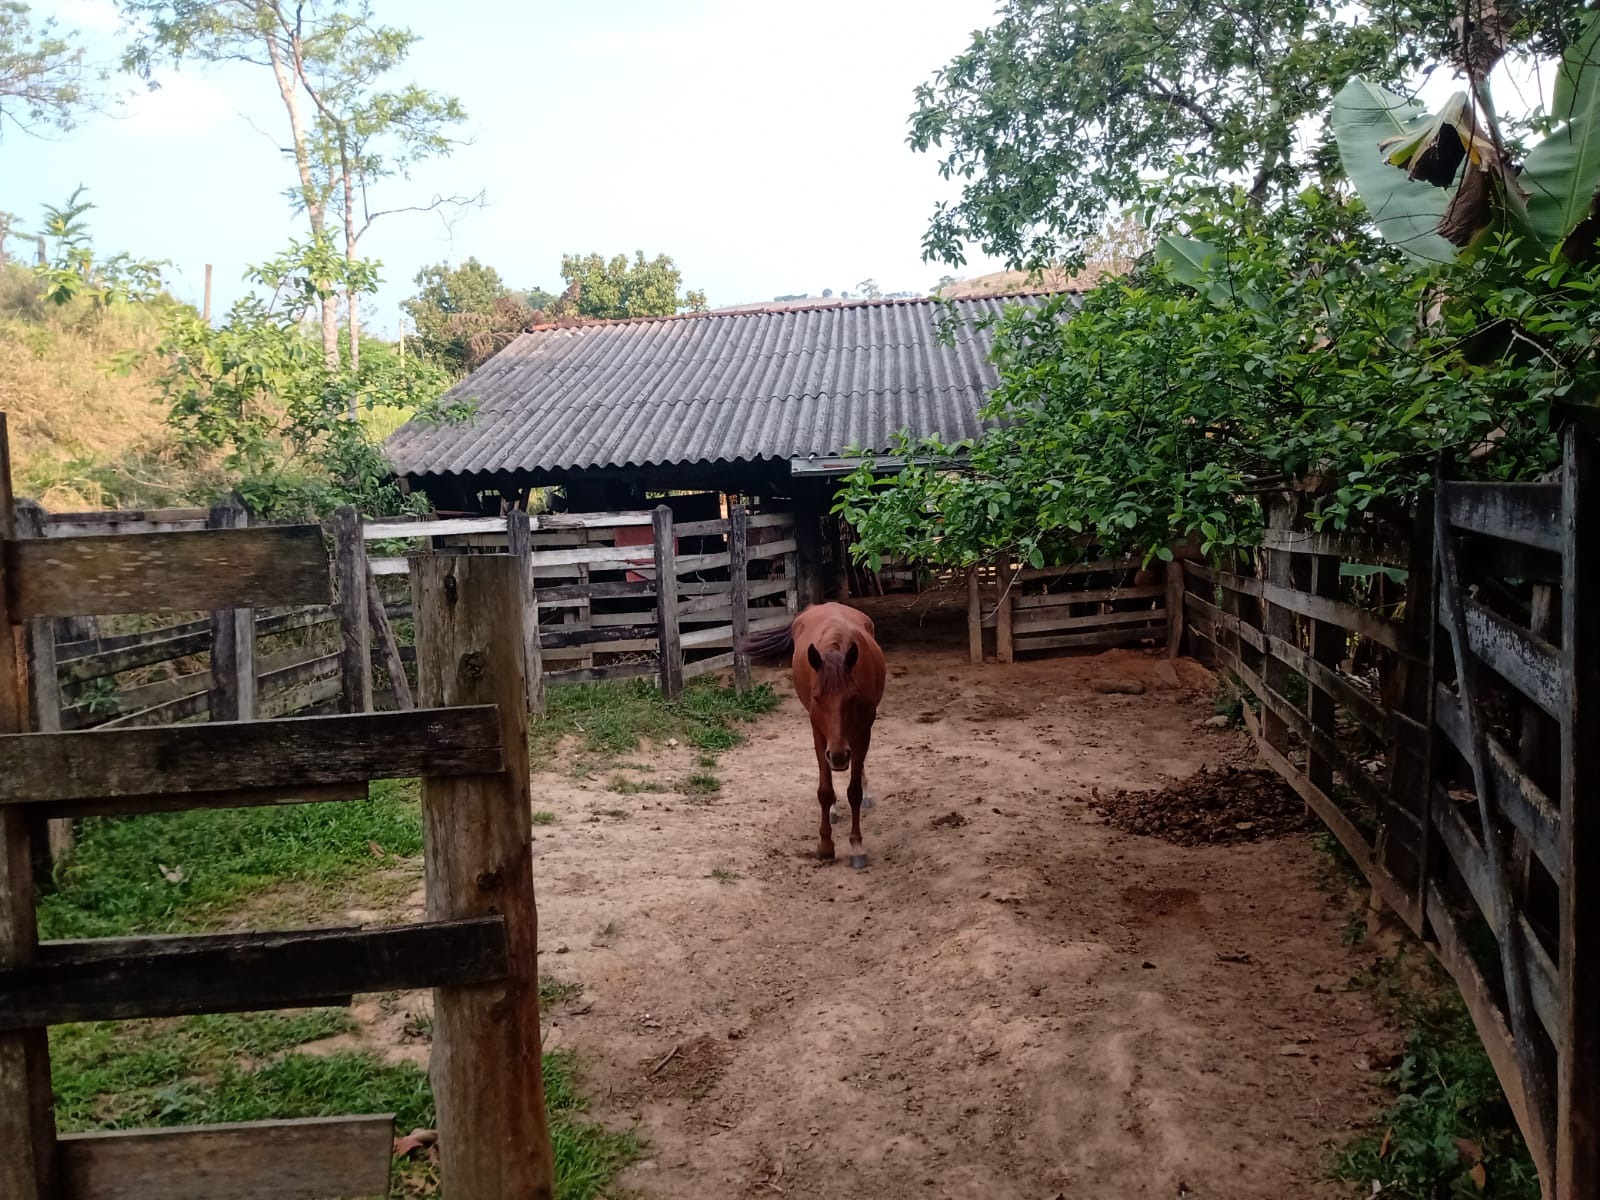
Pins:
x,y
87,428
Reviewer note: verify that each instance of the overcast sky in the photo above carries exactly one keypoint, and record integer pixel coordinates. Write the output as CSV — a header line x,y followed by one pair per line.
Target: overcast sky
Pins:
x,y
761,145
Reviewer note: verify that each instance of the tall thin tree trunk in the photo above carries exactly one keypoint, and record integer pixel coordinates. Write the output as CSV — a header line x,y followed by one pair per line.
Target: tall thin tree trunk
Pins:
x,y
352,301
316,209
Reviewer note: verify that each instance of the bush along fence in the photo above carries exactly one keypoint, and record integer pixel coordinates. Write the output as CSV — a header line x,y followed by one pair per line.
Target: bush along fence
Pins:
x,y
468,743
1089,605
1433,693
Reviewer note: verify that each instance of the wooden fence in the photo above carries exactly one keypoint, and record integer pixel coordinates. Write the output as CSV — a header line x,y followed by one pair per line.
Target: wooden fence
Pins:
x,y
1088,605
1434,695
477,948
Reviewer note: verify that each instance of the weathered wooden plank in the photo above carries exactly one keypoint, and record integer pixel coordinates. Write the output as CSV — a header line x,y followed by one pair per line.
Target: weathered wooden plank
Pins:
x,y
133,700
974,618
310,1158
1521,800
1529,513
1578,1068
241,972
109,643
1008,582
772,549
686,563
668,565
27,1115
1174,607
164,712
1089,596
1349,547
738,599
1530,664
557,637
388,651
1327,645
1130,563
477,835
299,752
519,544
591,521
305,698
1105,637
303,668
1278,622
1038,620
633,670
233,641
1319,608
707,666
350,574
376,529
184,645
169,572
550,597
616,557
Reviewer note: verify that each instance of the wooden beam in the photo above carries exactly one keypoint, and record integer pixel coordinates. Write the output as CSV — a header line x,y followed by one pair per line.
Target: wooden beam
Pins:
x,y
1174,607
125,978
235,755
739,597
1327,644
1578,1065
233,642
389,652
1123,636
1349,547
1089,596
1527,662
519,545
350,573
974,618
202,570
478,853
1528,513
1039,620
1007,584
312,1158
667,568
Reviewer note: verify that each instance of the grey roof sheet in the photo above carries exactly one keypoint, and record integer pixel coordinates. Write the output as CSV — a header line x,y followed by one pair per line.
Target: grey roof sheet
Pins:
x,y
743,386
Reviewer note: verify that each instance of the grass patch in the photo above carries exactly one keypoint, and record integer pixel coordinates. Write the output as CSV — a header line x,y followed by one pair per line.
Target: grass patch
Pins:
x,y
627,787
166,872
701,784
610,720
544,818
724,874
122,1075
1449,1131
557,991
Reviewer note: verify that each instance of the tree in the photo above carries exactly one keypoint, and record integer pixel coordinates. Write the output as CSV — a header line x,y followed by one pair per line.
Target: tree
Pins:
x,y
1064,109
870,289
464,314
41,73
605,289
345,134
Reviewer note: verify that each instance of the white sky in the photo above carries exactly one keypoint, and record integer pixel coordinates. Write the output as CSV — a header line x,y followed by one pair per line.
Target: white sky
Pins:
x,y
761,145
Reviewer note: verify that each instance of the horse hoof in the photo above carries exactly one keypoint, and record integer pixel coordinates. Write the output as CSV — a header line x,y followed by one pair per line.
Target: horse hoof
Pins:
x,y
825,854
858,861
867,802
834,816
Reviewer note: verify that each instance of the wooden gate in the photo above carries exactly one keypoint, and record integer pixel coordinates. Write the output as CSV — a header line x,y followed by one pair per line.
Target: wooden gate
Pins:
x,y
477,949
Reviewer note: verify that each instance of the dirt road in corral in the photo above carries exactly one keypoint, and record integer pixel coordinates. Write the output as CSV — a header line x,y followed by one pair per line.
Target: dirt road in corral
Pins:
x,y
1014,1000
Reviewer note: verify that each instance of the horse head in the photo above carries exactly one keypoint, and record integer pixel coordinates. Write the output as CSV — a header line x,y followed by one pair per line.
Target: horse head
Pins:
x,y
833,688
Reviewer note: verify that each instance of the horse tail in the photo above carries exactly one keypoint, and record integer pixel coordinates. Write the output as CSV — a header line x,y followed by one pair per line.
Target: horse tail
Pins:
x,y
769,644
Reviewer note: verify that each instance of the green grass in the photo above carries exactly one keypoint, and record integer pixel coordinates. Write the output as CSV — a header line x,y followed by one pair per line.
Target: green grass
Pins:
x,y
119,878
627,787
701,784
609,720
136,1074
544,818
1445,1090
557,991
724,874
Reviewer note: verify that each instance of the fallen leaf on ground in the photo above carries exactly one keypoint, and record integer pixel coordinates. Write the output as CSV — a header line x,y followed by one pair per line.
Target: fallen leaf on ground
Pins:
x,y
417,1139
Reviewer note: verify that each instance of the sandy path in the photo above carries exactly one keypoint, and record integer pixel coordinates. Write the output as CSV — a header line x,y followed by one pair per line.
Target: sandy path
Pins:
x,y
1027,1004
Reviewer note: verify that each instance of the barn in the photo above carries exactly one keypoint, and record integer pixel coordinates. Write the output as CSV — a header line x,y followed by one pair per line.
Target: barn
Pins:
x,y
768,405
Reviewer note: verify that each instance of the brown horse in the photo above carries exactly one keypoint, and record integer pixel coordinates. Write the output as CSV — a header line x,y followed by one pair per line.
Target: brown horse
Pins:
x,y
839,674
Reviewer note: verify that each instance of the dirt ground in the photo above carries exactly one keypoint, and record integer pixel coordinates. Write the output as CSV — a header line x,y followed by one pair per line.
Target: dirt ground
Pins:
x,y
1016,999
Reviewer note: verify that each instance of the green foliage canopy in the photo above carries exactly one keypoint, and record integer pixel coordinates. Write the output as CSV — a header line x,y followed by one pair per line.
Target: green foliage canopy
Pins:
x,y
605,289
464,314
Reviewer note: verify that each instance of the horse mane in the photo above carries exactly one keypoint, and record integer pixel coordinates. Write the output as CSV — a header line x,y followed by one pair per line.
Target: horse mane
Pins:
x,y
834,676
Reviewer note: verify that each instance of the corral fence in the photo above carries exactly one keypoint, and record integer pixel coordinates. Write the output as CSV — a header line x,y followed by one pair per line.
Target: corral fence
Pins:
x,y
1090,605
466,740
1433,693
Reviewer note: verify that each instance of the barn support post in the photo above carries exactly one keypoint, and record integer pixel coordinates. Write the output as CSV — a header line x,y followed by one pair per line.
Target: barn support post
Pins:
x,y
1278,622
1004,575
739,590
1327,645
494,1136
519,543
350,603
667,605
1578,1069
44,695
27,1105
1174,603
233,639
974,617
388,649
809,509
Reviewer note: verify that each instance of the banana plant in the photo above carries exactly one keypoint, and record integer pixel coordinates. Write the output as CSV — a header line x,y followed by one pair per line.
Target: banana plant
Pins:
x,y
1439,184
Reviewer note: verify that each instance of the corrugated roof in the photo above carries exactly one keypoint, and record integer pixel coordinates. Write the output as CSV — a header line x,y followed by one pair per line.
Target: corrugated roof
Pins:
x,y
716,387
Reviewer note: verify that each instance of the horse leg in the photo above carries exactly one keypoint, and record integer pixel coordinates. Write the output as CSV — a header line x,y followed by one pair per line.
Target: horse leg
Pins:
x,y
866,797
856,794
825,799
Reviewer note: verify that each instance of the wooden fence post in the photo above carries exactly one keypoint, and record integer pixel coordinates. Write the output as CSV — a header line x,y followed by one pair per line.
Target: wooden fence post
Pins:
x,y
739,590
27,1114
1003,577
1578,1070
519,544
1327,646
44,694
1174,601
667,605
393,665
974,616
233,640
350,603
494,1137
1277,622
